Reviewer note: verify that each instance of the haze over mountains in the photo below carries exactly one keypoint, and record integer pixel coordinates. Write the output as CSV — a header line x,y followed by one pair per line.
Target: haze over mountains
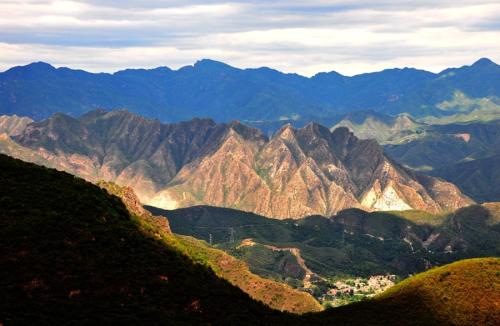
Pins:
x,y
295,173
464,153
224,93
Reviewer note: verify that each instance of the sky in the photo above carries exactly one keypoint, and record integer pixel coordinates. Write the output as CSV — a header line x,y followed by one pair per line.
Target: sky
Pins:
x,y
304,37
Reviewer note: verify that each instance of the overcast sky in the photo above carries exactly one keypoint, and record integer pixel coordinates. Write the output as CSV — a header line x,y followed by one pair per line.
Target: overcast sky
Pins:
x,y
305,37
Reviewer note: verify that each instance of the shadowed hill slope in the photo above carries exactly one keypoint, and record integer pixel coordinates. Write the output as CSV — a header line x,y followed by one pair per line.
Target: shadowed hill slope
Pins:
x,y
480,179
71,253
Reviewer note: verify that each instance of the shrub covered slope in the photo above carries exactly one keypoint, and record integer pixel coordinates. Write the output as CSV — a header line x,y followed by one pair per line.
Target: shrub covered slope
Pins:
x,y
70,253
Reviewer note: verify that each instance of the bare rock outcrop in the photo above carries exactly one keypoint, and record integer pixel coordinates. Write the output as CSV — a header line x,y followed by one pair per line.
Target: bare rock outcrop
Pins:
x,y
297,172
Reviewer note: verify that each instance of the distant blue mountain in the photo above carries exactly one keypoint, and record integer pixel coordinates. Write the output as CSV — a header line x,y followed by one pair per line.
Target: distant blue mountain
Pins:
x,y
217,90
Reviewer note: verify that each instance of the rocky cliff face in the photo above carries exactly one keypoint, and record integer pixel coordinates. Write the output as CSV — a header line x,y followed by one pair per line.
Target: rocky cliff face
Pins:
x,y
12,125
297,172
121,147
134,206
303,172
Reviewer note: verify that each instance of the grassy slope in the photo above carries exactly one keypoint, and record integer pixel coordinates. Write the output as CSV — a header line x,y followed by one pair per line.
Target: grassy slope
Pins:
x,y
71,253
274,294
462,293
416,216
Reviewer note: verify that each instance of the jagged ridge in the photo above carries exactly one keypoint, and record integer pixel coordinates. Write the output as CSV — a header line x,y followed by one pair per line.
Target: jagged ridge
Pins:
x,y
295,173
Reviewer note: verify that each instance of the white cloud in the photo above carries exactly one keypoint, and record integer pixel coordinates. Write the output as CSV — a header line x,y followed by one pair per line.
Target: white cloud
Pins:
x,y
297,36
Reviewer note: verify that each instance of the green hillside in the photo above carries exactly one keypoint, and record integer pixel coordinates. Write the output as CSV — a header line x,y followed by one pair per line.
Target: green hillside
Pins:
x,y
352,245
472,285
480,179
353,242
463,293
274,294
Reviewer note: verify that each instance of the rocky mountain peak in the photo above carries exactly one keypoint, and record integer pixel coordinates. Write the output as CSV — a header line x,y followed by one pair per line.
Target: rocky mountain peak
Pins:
x,y
59,132
297,172
247,133
314,130
286,129
342,135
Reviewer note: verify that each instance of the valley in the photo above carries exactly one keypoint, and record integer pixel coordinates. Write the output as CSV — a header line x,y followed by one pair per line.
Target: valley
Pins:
x,y
330,292
338,259
343,258
352,246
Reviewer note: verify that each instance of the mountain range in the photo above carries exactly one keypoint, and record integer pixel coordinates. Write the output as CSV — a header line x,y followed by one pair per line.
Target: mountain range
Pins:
x,y
296,172
462,152
329,191
216,90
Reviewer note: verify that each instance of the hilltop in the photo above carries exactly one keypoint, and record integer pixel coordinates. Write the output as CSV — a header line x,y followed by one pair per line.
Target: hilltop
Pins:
x,y
463,293
473,287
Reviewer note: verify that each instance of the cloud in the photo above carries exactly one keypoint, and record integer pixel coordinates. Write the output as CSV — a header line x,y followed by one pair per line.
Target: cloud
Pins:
x,y
294,36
